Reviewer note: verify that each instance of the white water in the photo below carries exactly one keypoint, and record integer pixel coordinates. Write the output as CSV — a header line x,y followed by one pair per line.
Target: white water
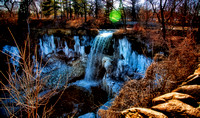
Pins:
x,y
96,53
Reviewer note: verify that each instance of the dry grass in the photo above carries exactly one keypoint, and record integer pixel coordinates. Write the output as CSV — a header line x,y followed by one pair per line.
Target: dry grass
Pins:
x,y
162,76
25,87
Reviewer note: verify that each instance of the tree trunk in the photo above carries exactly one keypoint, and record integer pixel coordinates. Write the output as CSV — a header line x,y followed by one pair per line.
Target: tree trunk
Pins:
x,y
70,10
23,13
67,9
124,15
198,33
133,10
85,11
54,8
163,22
96,9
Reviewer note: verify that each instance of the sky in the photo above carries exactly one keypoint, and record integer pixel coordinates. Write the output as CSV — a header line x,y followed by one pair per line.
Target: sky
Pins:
x,y
116,3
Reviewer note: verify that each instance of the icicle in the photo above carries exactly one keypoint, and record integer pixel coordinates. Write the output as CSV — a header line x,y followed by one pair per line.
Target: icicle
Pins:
x,y
47,45
131,58
66,49
77,44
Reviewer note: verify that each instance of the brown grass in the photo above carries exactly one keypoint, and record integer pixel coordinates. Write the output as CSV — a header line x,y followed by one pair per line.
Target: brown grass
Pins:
x,y
25,86
162,76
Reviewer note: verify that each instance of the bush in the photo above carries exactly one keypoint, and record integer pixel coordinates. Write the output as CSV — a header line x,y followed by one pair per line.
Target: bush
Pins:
x,y
26,87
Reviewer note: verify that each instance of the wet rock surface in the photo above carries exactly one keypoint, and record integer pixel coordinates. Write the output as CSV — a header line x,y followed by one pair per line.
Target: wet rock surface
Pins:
x,y
76,101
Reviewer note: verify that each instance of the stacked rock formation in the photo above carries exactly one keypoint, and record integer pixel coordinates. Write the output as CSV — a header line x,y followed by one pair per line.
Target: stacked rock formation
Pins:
x,y
182,102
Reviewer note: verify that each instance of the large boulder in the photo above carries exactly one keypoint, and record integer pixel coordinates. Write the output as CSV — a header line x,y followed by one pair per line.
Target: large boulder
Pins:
x,y
193,90
142,113
78,70
76,101
174,95
57,73
177,108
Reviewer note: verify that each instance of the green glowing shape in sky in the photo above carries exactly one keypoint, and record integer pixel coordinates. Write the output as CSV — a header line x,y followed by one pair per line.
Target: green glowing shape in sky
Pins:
x,y
115,16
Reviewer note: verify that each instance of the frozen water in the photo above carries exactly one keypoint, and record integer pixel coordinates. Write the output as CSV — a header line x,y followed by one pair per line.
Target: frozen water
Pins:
x,y
137,62
77,44
13,52
86,84
88,115
95,56
47,45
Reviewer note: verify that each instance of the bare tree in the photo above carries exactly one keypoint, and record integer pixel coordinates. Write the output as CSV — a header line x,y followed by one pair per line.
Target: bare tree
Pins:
x,y
133,9
164,10
35,4
9,5
96,8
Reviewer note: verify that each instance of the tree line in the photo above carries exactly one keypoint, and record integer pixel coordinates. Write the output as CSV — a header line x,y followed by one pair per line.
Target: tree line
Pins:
x,y
166,12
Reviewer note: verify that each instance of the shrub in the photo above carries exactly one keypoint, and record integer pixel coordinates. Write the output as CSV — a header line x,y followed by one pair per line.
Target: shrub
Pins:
x,y
26,88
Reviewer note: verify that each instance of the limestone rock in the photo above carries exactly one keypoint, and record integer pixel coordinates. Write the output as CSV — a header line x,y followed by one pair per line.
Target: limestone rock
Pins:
x,y
142,113
75,101
193,90
193,80
177,108
174,95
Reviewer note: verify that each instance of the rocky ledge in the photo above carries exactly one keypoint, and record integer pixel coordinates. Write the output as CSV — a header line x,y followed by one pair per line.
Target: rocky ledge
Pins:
x,y
183,102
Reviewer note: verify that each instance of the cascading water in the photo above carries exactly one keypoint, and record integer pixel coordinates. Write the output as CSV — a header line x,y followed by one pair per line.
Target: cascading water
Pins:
x,y
131,61
96,52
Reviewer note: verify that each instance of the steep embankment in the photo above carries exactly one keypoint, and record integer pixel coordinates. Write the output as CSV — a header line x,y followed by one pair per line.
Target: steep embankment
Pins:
x,y
181,102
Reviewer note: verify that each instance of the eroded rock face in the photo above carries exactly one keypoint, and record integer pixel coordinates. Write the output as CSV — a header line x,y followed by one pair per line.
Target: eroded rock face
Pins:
x,y
177,108
76,101
142,113
174,95
194,78
58,73
193,90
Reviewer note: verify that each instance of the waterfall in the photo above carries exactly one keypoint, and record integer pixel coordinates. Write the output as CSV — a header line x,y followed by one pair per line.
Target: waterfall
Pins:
x,y
96,52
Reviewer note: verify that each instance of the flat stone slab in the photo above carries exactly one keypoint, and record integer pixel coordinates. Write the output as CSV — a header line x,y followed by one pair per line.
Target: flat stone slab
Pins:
x,y
193,90
142,113
174,95
178,108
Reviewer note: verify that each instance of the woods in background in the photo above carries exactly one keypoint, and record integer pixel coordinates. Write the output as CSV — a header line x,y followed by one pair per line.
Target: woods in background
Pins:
x,y
184,13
